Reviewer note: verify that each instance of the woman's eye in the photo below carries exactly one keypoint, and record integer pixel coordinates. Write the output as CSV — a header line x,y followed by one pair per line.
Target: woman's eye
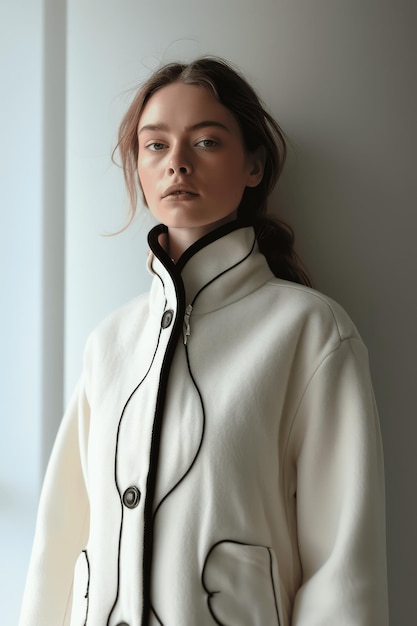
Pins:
x,y
207,143
156,146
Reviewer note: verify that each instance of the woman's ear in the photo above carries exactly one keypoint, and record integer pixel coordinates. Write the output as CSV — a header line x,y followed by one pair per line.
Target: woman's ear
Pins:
x,y
256,162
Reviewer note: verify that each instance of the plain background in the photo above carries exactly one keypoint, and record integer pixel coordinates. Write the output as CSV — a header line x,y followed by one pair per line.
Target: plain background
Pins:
x,y
339,75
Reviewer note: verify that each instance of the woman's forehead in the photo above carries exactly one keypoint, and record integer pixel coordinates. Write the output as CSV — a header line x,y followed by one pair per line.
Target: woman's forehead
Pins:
x,y
188,106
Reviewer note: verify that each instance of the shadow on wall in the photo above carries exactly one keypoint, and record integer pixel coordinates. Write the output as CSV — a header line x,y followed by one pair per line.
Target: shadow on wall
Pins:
x,y
354,227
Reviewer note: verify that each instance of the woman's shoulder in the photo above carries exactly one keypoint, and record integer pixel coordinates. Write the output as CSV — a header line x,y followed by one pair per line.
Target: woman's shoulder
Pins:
x,y
121,322
313,309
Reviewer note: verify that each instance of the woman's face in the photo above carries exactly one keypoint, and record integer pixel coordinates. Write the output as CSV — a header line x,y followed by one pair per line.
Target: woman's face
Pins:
x,y
192,164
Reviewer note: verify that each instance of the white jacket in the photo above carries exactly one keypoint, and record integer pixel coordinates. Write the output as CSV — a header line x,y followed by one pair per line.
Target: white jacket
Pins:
x,y
220,461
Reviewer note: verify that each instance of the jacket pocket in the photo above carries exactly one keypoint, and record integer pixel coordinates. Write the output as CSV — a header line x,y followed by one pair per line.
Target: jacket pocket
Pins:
x,y
240,580
81,586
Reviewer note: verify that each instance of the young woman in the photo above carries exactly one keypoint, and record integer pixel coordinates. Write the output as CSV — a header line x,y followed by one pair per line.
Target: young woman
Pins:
x,y
220,461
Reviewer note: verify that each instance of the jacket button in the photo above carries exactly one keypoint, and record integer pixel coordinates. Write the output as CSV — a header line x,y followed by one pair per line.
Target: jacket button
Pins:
x,y
122,624
167,318
131,497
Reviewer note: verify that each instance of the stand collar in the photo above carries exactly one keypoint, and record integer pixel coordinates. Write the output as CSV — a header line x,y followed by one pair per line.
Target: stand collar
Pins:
x,y
220,268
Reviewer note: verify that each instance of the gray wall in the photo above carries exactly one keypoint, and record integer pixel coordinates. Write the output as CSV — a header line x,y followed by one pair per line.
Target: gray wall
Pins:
x,y
350,193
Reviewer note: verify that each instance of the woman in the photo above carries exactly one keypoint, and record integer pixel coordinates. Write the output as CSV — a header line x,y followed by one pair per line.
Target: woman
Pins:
x,y
220,461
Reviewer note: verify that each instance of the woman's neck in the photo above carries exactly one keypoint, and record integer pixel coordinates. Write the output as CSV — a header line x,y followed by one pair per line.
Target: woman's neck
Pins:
x,y
179,239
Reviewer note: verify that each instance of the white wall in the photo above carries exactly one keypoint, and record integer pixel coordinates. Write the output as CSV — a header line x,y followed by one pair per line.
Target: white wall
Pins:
x,y
20,289
32,121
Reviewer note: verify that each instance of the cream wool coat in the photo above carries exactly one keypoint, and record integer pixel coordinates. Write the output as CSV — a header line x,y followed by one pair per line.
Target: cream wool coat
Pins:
x,y
219,463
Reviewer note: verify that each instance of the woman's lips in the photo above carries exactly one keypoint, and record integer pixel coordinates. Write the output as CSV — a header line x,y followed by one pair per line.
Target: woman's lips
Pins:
x,y
178,191
181,195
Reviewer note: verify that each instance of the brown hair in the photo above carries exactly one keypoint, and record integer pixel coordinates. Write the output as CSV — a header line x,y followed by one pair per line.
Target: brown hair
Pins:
x,y
275,238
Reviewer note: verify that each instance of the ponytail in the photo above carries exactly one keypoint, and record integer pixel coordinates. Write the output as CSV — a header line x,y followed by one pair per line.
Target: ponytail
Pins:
x,y
276,242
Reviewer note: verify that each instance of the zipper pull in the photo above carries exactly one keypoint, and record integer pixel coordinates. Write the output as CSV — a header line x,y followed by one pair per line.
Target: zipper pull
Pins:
x,y
187,333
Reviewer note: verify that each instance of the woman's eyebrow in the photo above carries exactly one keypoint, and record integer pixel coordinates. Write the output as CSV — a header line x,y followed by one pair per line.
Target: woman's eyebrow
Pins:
x,y
203,124
207,124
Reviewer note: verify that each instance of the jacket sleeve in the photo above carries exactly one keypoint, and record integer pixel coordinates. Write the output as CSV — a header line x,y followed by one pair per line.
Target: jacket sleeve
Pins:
x,y
340,496
62,523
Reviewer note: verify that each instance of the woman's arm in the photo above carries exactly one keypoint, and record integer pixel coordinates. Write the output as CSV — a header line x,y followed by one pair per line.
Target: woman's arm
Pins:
x,y
62,524
340,496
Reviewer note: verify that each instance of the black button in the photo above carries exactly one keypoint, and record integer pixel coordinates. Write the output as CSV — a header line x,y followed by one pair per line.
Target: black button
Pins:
x,y
167,318
131,497
122,624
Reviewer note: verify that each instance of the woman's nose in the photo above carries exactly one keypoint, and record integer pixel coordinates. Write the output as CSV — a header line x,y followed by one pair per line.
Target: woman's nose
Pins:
x,y
180,162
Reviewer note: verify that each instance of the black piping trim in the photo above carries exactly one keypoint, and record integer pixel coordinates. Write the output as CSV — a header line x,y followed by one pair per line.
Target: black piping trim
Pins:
x,y
210,237
87,593
201,440
157,425
175,271
156,616
210,594
273,585
115,471
176,268
229,269
156,247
